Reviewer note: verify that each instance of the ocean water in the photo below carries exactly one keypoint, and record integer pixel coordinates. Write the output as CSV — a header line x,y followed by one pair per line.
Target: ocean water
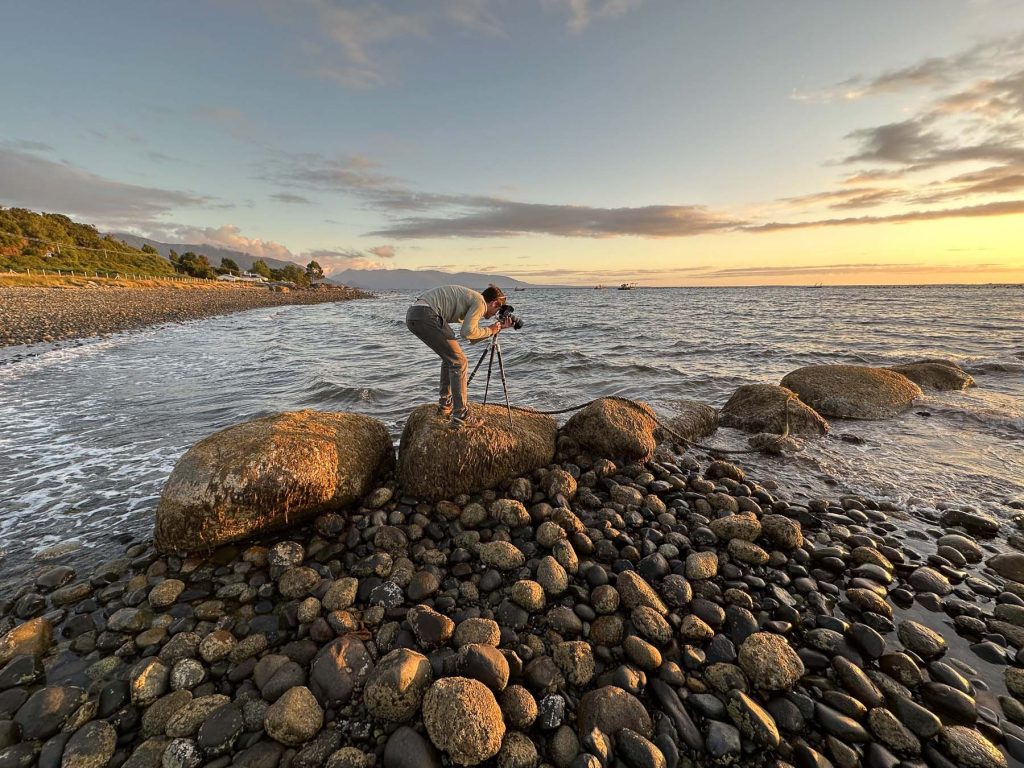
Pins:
x,y
89,431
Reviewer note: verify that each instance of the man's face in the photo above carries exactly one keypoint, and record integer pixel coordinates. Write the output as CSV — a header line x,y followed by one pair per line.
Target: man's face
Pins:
x,y
492,308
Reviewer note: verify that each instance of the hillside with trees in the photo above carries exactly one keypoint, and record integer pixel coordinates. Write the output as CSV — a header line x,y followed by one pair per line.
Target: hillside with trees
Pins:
x,y
30,240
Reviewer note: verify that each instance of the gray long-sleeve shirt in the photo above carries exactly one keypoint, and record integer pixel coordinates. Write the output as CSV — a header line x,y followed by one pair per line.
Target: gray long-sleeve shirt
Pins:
x,y
458,304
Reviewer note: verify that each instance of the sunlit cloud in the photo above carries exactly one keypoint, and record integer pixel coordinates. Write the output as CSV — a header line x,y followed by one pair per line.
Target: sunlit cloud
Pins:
x,y
383,251
1007,208
227,236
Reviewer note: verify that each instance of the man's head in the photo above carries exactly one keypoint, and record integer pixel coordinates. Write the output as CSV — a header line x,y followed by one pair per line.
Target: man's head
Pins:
x,y
494,299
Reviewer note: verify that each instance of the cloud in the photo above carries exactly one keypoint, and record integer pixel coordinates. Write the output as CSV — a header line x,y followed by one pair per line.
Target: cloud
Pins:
x,y
1005,208
501,218
342,259
582,12
23,145
289,198
986,58
360,43
344,173
226,236
383,251
34,182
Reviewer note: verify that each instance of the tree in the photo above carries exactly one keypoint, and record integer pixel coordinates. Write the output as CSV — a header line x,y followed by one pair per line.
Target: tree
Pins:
x,y
314,271
147,248
228,266
194,264
293,273
259,267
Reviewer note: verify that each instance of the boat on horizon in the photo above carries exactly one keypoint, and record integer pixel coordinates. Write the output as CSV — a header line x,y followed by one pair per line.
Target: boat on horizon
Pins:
x,y
600,287
627,286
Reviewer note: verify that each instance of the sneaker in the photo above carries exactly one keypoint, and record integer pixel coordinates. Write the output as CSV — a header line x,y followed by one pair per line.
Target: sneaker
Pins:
x,y
471,423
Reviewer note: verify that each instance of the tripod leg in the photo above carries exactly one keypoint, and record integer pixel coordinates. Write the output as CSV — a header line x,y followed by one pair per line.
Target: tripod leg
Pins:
x,y
490,366
504,386
476,368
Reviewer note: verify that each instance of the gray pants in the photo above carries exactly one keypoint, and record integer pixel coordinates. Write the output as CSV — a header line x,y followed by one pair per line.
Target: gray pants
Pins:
x,y
433,331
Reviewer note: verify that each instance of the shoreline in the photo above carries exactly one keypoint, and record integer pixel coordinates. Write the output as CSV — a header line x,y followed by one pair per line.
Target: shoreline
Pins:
x,y
33,315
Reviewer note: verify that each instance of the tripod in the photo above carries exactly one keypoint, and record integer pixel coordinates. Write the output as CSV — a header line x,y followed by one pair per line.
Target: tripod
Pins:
x,y
493,347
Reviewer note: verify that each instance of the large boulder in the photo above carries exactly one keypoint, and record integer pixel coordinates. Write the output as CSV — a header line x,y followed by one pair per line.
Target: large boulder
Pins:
x,y
436,462
267,474
762,408
853,391
614,428
936,374
690,419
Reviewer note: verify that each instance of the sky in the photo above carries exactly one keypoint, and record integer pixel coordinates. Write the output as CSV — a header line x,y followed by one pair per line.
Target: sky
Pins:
x,y
666,142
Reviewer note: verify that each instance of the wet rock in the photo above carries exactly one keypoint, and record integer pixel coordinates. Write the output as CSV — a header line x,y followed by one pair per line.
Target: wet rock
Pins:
x,y
1009,565
91,746
294,718
463,719
148,681
936,374
32,638
967,747
853,391
46,711
926,579
894,734
610,709
406,748
220,730
769,408
921,640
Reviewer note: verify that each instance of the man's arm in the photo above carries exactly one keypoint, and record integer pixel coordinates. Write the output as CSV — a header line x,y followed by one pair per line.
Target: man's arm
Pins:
x,y
471,330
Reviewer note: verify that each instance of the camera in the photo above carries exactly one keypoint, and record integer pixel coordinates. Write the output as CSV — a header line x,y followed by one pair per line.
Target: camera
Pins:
x,y
508,312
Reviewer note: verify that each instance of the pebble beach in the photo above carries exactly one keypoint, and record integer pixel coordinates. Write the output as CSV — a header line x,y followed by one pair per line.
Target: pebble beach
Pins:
x,y
589,614
33,315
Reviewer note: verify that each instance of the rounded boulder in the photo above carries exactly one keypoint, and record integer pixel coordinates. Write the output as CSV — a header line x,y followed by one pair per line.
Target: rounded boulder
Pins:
x,y
767,408
612,428
395,687
770,662
853,391
463,718
436,462
267,474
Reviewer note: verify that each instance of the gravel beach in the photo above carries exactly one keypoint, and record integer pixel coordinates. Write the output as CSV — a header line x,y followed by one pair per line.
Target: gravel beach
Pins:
x,y
32,315
588,614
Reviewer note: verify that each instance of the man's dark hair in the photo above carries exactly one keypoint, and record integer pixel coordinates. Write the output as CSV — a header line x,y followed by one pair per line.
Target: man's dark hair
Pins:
x,y
492,292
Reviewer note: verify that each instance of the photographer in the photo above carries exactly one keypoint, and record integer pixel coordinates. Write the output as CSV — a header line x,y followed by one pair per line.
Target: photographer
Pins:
x,y
428,319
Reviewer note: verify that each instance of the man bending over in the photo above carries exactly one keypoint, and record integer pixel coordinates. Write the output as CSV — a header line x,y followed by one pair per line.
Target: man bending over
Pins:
x,y
429,317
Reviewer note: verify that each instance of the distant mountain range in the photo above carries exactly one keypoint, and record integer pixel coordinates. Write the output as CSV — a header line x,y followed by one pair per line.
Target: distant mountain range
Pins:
x,y
421,279
211,252
368,279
